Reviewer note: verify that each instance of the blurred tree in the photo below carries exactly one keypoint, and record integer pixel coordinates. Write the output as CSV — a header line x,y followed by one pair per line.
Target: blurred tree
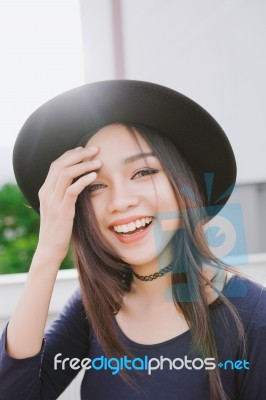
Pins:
x,y
19,229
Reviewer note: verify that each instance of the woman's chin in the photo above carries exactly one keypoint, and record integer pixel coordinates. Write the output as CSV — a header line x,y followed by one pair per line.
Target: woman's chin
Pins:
x,y
139,261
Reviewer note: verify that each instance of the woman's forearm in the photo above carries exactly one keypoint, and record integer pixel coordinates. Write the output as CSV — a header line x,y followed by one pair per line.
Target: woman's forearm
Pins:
x,y
26,327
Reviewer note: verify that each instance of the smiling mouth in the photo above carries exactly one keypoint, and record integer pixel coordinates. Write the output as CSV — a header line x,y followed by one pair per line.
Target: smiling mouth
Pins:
x,y
133,227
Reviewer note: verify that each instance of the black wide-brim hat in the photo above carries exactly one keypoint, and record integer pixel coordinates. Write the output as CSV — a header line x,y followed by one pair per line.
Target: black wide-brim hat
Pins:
x,y
66,120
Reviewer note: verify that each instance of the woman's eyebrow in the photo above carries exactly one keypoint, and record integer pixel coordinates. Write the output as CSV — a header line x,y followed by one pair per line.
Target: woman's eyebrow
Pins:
x,y
137,157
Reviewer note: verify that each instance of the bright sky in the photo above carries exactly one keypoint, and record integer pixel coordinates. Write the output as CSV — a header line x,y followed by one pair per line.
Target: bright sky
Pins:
x,y
41,56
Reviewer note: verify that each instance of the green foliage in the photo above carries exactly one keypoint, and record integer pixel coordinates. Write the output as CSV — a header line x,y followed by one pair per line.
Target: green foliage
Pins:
x,y
19,228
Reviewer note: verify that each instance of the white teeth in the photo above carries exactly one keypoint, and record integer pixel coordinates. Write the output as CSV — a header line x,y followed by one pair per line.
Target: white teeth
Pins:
x,y
131,226
125,228
138,223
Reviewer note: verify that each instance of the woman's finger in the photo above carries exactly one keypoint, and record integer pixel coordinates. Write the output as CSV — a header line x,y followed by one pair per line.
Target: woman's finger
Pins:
x,y
69,158
74,156
76,188
73,173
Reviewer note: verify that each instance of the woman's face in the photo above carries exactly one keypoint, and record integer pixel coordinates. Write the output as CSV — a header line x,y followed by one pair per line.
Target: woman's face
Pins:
x,y
129,195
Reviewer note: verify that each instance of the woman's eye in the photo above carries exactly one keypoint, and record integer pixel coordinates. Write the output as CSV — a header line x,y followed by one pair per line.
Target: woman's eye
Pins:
x,y
144,172
94,187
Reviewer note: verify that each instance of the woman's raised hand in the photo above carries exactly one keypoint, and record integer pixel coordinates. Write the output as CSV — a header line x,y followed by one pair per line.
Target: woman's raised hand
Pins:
x,y
67,177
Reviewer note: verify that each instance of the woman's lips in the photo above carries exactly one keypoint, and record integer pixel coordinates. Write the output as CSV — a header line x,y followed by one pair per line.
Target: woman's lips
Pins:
x,y
134,236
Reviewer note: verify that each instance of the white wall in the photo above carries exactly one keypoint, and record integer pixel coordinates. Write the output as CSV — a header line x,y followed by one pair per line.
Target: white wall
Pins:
x,y
213,51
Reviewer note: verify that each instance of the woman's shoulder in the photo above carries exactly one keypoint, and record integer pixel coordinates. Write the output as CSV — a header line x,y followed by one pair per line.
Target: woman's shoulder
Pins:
x,y
248,297
72,317
74,307
75,298
245,288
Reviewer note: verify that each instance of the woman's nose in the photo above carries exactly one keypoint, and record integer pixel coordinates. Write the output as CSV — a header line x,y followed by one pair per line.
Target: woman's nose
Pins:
x,y
122,198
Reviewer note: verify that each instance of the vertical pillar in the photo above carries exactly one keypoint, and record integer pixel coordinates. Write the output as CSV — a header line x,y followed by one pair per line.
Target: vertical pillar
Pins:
x,y
119,67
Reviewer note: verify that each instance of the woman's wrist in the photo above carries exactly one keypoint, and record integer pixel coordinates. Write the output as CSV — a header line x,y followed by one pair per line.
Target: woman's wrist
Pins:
x,y
47,257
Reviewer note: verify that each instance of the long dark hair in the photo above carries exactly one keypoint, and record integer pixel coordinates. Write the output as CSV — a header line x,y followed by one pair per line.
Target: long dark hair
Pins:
x,y
105,278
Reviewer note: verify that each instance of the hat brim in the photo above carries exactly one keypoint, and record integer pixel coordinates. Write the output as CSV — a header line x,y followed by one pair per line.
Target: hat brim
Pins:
x,y
62,123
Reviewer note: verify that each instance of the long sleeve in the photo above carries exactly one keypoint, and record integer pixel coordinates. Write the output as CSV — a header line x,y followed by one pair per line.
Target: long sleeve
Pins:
x,y
35,378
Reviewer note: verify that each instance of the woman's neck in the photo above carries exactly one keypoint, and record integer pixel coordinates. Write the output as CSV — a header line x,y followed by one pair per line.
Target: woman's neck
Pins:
x,y
154,290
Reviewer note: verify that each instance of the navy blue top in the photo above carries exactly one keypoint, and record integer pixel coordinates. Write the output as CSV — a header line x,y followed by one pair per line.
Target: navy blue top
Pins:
x,y
35,378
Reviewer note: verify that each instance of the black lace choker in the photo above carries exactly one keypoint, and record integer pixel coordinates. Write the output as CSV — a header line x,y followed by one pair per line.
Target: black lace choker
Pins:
x,y
156,275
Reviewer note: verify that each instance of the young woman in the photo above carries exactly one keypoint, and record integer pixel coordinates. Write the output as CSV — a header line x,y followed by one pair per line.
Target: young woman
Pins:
x,y
123,168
